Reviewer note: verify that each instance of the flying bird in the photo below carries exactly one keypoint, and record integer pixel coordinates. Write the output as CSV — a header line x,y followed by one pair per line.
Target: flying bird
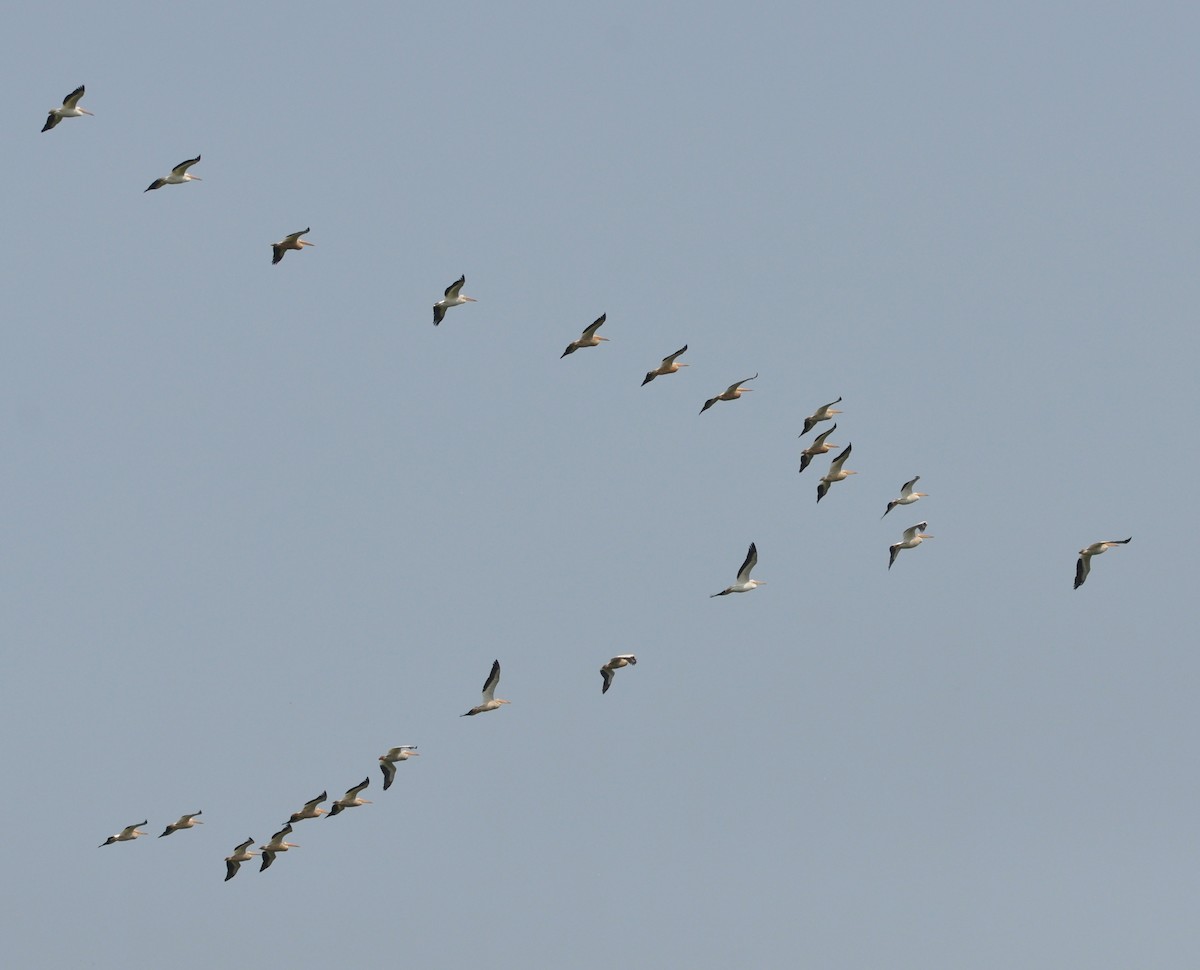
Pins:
x,y
276,845
70,109
608,671
387,762
907,495
913,537
292,241
453,297
731,393
490,701
179,175
185,822
127,834
820,446
310,809
243,853
351,798
1084,566
588,338
820,414
836,473
744,583
669,365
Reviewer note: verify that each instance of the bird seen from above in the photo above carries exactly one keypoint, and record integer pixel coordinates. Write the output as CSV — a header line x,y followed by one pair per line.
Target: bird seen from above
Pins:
x,y
453,297
1084,566
70,109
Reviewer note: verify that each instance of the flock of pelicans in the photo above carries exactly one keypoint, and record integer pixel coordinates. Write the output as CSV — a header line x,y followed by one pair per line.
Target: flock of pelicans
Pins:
x,y
912,537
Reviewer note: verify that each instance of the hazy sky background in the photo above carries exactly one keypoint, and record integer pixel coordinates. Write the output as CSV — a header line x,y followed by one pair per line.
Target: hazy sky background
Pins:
x,y
265,522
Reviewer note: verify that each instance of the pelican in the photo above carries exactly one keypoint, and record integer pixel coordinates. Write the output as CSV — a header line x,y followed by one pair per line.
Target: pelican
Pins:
x,y
127,834
185,822
907,495
490,702
178,175
820,414
276,845
310,809
913,537
588,338
731,393
836,473
820,446
292,241
609,669
70,109
668,366
453,297
351,799
387,762
744,583
243,853
1084,566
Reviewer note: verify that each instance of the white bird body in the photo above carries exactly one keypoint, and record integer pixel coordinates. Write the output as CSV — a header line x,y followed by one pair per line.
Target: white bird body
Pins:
x,y
453,297
290,241
731,393
70,109
310,809
588,338
127,834
351,799
1084,566
669,365
913,537
179,175
837,473
820,414
243,853
490,701
744,583
907,495
617,662
387,761
821,445
276,845
185,822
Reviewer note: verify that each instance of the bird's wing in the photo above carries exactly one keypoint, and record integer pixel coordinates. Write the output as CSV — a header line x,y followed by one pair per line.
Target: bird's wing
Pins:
x,y
1082,568
389,772
822,437
840,460
454,288
353,792
182,167
670,360
51,120
607,674
231,869
907,488
489,685
278,249
72,99
591,328
751,561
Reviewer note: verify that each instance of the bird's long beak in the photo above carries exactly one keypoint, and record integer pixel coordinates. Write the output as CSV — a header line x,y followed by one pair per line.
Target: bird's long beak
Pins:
x,y
86,112
470,299
305,242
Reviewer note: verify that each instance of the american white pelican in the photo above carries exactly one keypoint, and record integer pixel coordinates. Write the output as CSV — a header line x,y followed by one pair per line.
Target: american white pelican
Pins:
x,y
669,365
126,834
617,662
820,446
178,175
310,809
453,297
731,393
588,338
820,414
907,495
913,537
243,853
185,822
351,799
292,241
276,845
744,583
70,109
836,473
1084,566
490,701
387,761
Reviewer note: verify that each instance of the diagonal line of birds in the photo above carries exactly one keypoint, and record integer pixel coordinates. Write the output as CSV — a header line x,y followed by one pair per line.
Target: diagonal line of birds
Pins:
x,y
911,538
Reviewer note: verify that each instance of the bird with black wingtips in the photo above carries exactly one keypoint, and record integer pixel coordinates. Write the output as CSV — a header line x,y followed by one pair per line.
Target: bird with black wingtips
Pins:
x,y
70,109
823,413
490,701
127,834
744,583
1084,566
185,822
290,241
310,809
588,338
351,799
669,365
731,393
821,445
275,846
179,175
453,297
913,536
907,495
837,473
243,853
387,761
609,669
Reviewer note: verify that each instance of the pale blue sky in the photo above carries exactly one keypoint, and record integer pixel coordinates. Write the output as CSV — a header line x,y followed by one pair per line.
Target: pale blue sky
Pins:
x,y
265,522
